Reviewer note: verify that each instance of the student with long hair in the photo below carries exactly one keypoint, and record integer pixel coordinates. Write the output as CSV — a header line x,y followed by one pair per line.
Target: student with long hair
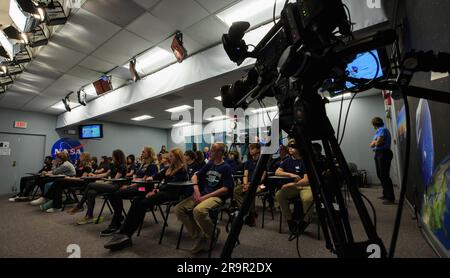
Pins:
x,y
175,172
117,171
131,165
147,170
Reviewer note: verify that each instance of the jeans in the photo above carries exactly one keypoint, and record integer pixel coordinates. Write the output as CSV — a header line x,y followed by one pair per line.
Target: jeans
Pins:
x,y
383,160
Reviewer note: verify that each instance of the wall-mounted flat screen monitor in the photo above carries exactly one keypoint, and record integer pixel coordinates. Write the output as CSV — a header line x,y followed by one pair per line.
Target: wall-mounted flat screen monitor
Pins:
x,y
91,131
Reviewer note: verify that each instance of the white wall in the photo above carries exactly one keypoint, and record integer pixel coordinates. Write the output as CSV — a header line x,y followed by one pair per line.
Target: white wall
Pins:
x,y
130,139
38,124
359,131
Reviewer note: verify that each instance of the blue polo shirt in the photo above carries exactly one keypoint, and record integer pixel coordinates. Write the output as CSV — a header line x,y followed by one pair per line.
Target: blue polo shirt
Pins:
x,y
383,132
294,166
214,177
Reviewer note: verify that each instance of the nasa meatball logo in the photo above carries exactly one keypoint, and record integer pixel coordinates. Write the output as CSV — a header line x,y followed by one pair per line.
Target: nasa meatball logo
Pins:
x,y
72,147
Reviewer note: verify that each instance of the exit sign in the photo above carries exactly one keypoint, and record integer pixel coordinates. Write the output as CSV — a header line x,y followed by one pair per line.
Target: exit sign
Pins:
x,y
22,125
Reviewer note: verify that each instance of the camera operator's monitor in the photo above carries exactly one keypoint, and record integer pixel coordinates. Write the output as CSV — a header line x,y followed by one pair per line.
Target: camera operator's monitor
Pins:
x,y
91,131
365,67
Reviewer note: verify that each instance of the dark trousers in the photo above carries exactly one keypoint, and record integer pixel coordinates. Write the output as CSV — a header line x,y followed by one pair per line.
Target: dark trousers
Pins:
x,y
95,188
383,160
139,207
56,191
41,181
116,200
27,185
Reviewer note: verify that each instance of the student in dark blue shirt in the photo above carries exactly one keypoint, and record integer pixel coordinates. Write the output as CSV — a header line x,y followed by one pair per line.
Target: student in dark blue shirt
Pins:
x,y
192,166
176,172
294,168
241,190
212,184
381,145
131,165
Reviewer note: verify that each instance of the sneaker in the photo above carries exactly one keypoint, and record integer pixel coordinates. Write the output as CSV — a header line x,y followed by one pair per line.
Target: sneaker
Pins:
x,y
200,245
38,202
13,199
118,242
75,210
111,230
250,220
47,205
22,199
85,220
51,210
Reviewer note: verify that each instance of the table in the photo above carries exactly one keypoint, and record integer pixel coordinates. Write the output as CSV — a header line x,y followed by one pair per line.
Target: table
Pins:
x,y
145,186
181,183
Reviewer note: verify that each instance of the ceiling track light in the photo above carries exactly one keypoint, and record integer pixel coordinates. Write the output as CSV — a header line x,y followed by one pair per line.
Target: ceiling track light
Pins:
x,y
54,13
178,48
82,97
66,102
37,37
25,15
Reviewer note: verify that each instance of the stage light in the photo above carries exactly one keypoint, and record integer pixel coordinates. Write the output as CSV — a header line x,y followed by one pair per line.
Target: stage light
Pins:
x,y
12,41
66,102
54,13
25,15
134,74
178,48
103,85
82,97
36,38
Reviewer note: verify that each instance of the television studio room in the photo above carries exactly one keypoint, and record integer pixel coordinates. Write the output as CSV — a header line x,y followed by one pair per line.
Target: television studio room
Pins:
x,y
244,129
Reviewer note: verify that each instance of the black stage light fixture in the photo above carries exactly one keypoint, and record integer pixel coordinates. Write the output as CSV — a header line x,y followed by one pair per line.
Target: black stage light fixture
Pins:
x,y
54,13
178,48
66,102
36,38
14,69
134,74
2,90
82,97
12,41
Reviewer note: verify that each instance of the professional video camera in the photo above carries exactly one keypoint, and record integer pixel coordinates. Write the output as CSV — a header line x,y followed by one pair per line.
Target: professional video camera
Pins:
x,y
310,48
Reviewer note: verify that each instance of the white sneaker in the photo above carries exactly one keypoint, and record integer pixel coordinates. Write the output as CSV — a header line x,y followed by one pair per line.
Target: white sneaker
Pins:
x,y
13,199
38,202
51,210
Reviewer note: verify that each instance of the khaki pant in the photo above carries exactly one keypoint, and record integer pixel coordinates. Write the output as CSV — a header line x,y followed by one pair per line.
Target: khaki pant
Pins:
x,y
285,195
239,195
195,217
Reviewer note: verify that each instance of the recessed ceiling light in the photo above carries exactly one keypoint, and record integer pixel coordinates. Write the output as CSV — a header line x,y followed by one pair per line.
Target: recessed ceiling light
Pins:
x,y
217,118
254,11
219,98
179,109
142,118
181,124
268,109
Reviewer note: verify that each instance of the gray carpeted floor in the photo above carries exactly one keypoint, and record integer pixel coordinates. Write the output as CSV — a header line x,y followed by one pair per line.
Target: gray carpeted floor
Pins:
x,y
28,232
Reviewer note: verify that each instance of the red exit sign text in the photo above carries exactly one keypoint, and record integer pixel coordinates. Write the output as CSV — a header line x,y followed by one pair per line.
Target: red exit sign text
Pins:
x,y
22,125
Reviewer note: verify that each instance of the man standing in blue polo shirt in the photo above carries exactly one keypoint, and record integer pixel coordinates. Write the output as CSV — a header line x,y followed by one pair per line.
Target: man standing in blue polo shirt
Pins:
x,y
381,145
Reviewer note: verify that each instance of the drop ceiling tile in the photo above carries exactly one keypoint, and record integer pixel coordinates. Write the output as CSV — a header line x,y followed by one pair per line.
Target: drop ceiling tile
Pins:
x,y
216,5
40,103
119,12
85,32
40,69
208,32
14,100
84,73
23,88
58,57
96,64
146,4
69,82
179,14
56,92
36,81
151,28
121,48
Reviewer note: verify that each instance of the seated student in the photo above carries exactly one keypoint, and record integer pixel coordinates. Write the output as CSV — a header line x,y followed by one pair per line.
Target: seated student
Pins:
x,y
104,166
164,162
147,170
94,164
27,184
200,159
234,161
54,194
176,172
194,211
293,167
191,164
241,190
62,167
131,165
274,164
117,171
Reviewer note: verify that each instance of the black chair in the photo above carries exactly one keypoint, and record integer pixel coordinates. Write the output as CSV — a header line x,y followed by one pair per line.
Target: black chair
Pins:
x,y
165,216
142,223
266,196
105,197
309,221
70,192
